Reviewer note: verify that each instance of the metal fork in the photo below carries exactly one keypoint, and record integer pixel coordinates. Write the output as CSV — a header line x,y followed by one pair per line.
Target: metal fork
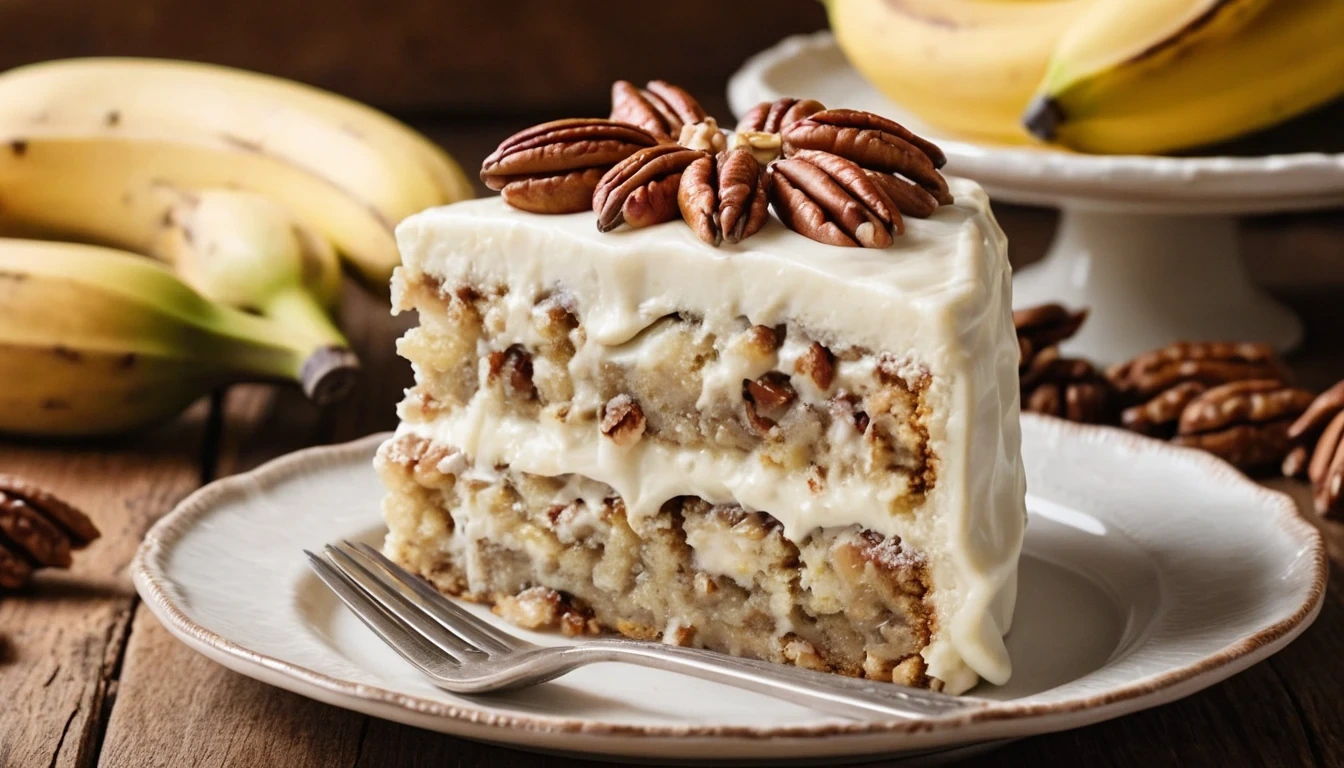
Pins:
x,y
465,654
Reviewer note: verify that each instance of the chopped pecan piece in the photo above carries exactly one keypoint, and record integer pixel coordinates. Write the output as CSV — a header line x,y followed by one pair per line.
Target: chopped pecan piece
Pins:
x,y
641,190
1317,437
515,365
660,108
623,420
818,364
1244,422
1069,388
873,142
765,398
774,116
37,530
831,200
1209,363
555,167
723,197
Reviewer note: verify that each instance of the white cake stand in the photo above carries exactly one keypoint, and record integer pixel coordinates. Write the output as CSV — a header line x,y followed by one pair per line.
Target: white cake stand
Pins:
x,y
1148,243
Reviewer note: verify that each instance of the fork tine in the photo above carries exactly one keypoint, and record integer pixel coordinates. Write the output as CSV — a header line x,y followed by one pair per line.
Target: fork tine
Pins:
x,y
422,654
452,616
390,600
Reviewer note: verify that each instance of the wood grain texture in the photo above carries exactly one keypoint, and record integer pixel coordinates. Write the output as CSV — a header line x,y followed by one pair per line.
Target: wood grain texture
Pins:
x,y
463,57
61,639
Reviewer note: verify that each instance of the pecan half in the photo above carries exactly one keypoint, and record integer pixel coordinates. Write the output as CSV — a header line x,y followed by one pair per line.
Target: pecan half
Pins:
x,y
642,189
1209,362
1159,416
910,199
37,530
555,167
1317,437
1243,422
1253,401
623,420
1068,388
831,200
660,108
774,116
1044,325
723,197
872,141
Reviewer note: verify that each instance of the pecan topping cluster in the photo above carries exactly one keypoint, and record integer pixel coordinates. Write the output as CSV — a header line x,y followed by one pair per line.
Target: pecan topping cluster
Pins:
x,y
37,530
839,176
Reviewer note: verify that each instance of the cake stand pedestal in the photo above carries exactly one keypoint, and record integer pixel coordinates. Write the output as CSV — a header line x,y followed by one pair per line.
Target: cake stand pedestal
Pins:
x,y
1149,244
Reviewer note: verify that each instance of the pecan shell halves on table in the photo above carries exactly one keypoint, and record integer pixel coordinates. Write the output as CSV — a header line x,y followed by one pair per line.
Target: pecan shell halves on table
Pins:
x,y
874,142
832,200
555,167
1243,422
723,197
1042,326
1317,439
660,108
1208,362
1069,388
37,530
641,190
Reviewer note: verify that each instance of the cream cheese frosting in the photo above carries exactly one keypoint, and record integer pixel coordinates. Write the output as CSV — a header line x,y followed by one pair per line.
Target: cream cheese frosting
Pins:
x,y
939,297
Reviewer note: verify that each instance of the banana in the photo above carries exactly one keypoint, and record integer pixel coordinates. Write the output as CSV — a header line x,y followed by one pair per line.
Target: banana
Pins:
x,y
243,250
382,167
97,341
966,67
108,189
1151,76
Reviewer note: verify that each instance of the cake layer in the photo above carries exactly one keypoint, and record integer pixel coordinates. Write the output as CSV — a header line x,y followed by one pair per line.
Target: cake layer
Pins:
x,y
922,330
828,422
561,552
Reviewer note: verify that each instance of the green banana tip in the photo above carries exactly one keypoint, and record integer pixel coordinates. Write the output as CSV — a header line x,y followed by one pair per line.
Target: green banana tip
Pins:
x,y
329,374
1043,117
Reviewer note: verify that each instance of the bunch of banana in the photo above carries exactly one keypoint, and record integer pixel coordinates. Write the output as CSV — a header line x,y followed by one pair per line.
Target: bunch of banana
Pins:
x,y
97,135
248,186
95,341
1136,76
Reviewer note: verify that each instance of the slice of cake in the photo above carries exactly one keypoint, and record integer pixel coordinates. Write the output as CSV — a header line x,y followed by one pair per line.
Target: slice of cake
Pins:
x,y
739,434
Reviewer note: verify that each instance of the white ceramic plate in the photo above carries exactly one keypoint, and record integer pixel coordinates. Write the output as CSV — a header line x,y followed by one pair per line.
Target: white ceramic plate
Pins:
x,y
813,66
1150,572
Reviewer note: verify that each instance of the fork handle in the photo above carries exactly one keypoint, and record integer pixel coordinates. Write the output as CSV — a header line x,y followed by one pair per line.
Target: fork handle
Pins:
x,y
834,694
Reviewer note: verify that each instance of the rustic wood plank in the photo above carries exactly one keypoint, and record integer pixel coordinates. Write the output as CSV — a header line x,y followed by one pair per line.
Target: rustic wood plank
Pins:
x,y
175,707
63,636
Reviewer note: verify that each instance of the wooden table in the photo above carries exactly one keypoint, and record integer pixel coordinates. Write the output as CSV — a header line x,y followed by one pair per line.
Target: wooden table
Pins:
x,y
89,677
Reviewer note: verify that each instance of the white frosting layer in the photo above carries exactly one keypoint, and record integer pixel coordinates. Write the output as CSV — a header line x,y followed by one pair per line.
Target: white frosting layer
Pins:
x,y
940,297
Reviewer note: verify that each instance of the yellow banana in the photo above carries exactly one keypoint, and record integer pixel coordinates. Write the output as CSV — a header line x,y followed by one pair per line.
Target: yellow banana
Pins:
x,y
1150,76
381,165
966,67
96,341
107,189
243,250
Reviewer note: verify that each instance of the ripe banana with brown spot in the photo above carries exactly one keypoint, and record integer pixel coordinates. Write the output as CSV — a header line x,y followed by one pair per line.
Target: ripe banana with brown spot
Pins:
x,y
96,341
349,171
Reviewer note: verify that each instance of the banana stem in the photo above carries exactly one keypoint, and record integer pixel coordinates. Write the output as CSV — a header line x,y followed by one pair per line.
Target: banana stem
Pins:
x,y
330,368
